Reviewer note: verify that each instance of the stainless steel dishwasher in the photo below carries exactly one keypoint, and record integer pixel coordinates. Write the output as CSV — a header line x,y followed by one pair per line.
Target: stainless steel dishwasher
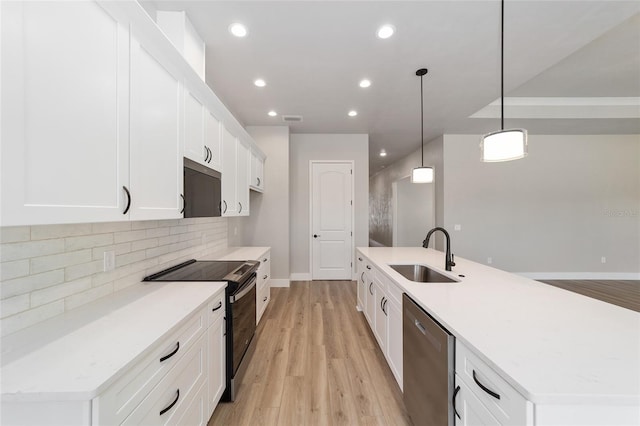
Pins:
x,y
428,367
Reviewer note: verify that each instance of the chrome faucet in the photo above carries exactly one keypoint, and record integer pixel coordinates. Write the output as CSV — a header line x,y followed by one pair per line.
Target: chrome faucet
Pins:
x,y
448,258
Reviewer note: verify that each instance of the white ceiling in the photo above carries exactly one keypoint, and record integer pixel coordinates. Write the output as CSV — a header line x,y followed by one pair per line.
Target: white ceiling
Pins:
x,y
312,54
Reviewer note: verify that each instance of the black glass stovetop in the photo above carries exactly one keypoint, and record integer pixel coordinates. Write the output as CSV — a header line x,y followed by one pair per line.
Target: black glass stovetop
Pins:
x,y
207,270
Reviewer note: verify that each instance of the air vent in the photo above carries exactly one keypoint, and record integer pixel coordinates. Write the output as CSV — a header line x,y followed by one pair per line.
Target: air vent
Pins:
x,y
292,118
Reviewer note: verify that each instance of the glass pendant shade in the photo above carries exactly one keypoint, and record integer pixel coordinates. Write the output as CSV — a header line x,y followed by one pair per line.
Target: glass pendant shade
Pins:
x,y
504,145
422,175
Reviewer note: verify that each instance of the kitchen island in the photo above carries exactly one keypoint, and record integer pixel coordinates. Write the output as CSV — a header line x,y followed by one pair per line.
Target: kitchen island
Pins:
x,y
576,360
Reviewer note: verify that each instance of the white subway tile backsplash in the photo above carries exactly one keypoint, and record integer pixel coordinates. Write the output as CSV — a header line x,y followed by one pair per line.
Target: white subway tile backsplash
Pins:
x,y
109,227
157,232
48,269
62,260
28,249
87,241
47,232
31,283
83,270
126,236
87,296
126,259
98,252
147,224
144,244
47,295
13,305
14,234
15,269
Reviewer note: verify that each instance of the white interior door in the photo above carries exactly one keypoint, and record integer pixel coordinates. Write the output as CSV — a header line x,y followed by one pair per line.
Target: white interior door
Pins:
x,y
331,220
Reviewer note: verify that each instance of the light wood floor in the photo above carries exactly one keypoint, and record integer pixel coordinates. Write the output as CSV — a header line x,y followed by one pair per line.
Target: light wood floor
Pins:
x,y
316,363
621,293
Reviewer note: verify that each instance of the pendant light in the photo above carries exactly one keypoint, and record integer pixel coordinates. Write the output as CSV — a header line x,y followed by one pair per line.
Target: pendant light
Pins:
x,y
422,174
503,145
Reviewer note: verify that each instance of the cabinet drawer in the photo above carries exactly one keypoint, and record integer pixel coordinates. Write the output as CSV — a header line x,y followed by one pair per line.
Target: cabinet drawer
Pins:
x,y
511,408
119,400
175,392
393,291
264,271
263,296
216,308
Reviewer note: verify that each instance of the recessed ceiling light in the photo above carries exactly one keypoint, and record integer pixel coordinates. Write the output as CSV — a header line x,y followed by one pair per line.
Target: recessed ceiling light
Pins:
x,y
260,82
238,30
353,113
386,31
365,83
272,113
383,153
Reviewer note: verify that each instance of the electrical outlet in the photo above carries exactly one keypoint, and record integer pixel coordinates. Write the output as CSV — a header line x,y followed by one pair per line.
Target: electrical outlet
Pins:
x,y
457,227
603,259
109,260
489,260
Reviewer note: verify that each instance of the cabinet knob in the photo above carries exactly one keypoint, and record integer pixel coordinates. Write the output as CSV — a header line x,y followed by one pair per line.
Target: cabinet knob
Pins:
x,y
265,299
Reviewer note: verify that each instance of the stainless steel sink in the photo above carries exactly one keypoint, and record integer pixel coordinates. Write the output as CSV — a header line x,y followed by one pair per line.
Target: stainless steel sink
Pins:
x,y
422,274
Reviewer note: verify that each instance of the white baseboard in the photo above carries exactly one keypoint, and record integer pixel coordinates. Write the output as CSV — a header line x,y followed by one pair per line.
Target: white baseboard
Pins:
x,y
300,276
278,283
580,275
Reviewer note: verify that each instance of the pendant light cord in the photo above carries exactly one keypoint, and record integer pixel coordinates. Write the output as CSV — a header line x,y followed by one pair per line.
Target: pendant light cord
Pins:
x,y
421,124
502,66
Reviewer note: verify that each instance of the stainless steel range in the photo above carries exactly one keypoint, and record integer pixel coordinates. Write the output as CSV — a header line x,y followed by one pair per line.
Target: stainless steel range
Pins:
x,y
240,320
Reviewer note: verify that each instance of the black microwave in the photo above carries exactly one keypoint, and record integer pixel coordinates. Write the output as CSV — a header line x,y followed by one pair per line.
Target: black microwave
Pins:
x,y
202,190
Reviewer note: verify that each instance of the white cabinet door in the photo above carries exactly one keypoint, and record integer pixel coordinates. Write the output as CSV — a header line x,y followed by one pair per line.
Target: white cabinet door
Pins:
x,y
257,171
370,292
471,411
216,366
213,140
362,283
243,171
156,137
64,113
394,340
229,174
194,129
380,330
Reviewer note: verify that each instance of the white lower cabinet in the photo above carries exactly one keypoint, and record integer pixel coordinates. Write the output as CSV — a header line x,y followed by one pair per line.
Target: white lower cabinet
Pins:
x,y
180,382
263,287
217,355
486,398
470,410
380,300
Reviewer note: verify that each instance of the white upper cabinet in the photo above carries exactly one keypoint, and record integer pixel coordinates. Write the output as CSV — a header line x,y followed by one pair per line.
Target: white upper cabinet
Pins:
x,y
65,113
202,138
243,173
156,136
257,171
229,174
194,146
98,110
213,140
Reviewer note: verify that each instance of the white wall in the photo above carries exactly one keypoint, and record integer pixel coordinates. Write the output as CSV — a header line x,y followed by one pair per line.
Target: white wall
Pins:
x,y
49,269
573,200
268,224
306,147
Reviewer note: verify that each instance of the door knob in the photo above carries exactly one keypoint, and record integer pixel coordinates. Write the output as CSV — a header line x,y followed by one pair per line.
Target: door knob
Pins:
x,y
315,235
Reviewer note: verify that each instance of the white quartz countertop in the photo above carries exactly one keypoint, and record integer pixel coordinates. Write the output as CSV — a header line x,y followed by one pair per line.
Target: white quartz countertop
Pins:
x,y
79,354
552,345
243,253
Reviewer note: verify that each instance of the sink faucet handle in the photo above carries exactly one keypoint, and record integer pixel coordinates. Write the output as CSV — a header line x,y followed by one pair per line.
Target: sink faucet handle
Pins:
x,y
452,260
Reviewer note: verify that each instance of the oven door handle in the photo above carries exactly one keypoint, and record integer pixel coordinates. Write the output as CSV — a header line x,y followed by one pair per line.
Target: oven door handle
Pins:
x,y
243,291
